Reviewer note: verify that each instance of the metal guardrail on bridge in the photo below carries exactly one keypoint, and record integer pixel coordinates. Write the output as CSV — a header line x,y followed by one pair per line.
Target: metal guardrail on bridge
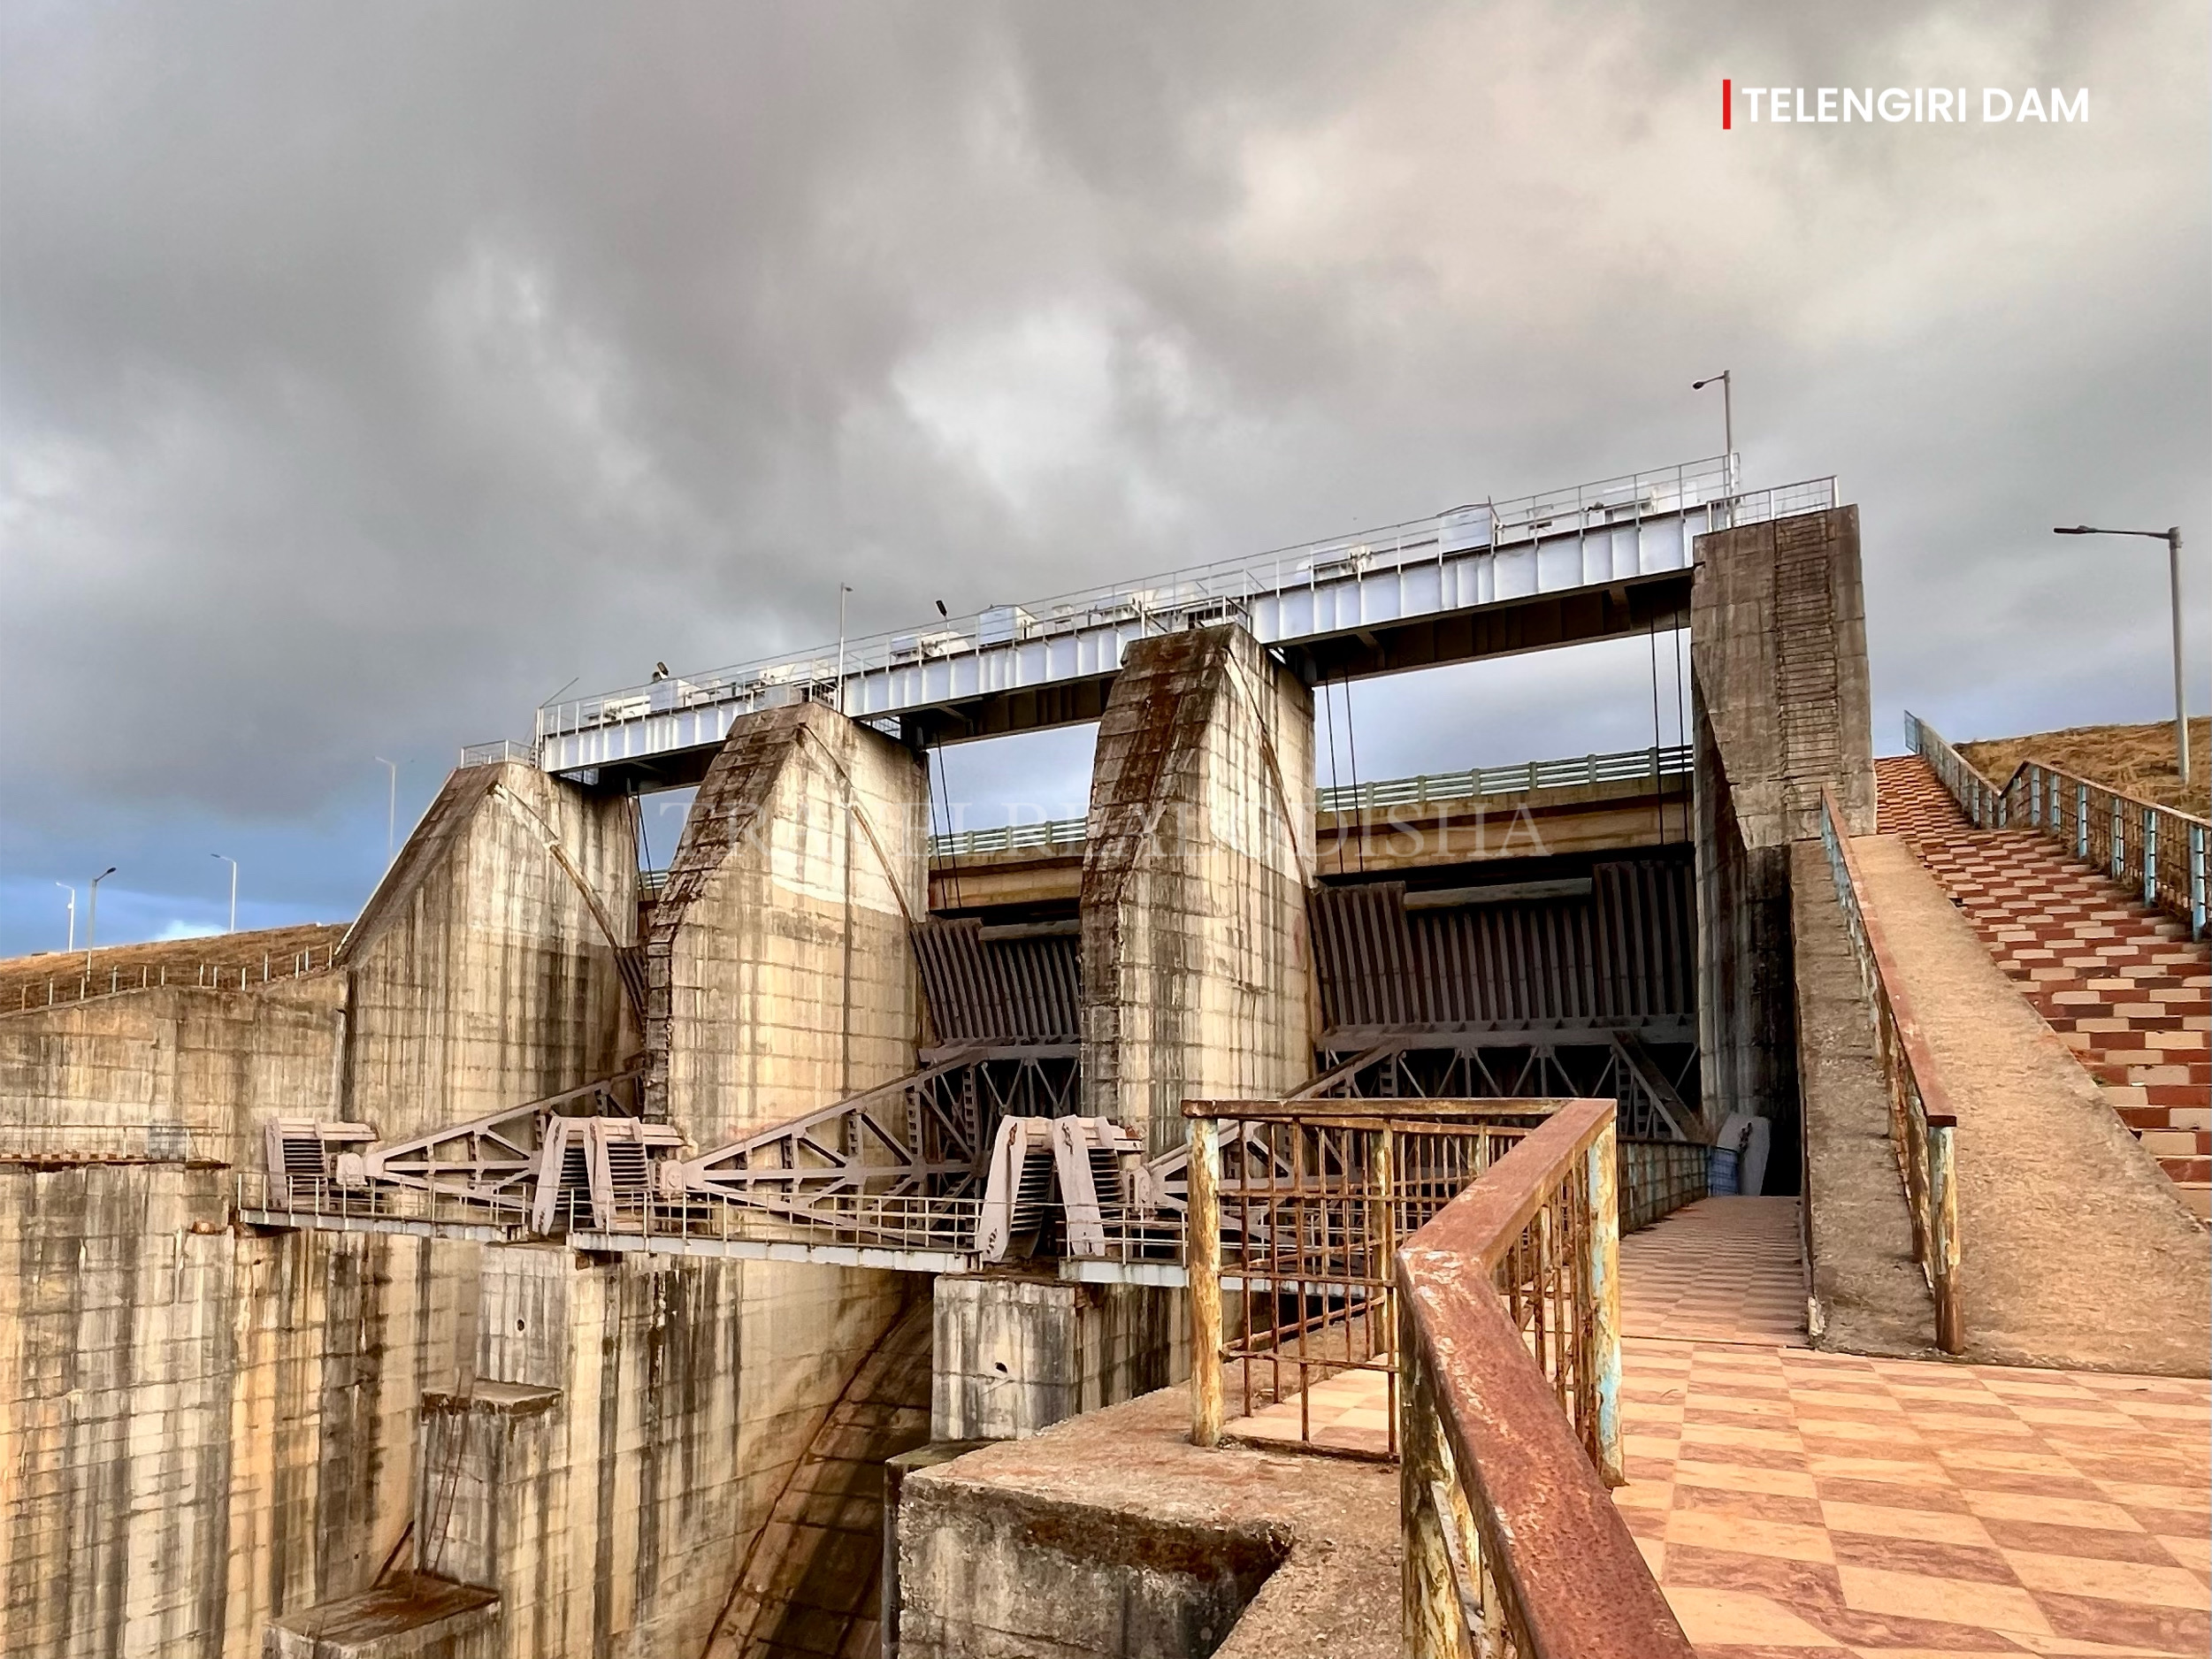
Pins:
x,y
2157,853
1426,789
1296,1211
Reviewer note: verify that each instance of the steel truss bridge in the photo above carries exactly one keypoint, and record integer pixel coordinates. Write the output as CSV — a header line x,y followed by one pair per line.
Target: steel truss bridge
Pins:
x,y
975,1157
1486,579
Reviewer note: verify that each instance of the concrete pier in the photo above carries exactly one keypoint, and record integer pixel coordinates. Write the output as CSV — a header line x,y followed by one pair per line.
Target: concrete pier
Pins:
x,y
1780,704
1019,1352
484,971
1197,970
779,975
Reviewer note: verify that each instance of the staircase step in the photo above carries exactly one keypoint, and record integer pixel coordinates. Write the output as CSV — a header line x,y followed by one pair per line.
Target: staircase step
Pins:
x,y
2124,987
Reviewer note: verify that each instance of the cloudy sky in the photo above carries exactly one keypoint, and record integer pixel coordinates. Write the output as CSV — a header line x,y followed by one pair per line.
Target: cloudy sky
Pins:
x,y
367,373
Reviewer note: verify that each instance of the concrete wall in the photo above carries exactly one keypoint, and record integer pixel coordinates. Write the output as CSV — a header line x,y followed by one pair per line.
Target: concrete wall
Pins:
x,y
1780,704
201,1430
121,1075
1017,1353
480,976
781,978
636,1425
1197,969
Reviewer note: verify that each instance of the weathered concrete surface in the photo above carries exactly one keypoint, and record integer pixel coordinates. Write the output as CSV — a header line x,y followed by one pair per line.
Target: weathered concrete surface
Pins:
x,y
1197,970
482,973
1778,651
409,1617
2075,1251
199,1430
1017,1353
781,979
1779,693
780,975
478,977
201,1433
1111,1534
1869,1295
176,1073
812,1578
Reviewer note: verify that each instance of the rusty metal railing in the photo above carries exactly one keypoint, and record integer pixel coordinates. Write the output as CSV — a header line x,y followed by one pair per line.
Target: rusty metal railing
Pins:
x,y
1921,1124
1509,1319
1295,1212
260,1196
2159,854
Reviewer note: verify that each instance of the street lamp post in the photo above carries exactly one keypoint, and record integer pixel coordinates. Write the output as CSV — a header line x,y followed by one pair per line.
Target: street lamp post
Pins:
x,y
92,916
1727,378
2171,537
233,864
72,891
392,803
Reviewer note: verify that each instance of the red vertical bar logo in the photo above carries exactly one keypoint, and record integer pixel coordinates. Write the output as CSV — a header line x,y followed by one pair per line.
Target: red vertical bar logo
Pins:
x,y
1728,115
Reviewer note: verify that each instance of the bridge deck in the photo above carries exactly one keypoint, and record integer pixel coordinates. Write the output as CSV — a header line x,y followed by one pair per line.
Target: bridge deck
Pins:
x,y
1585,562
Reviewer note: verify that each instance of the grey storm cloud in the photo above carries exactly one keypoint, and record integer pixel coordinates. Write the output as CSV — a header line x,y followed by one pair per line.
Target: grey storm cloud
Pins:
x,y
366,372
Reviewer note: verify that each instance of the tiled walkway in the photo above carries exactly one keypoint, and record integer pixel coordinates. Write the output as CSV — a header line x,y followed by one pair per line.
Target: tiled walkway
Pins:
x,y
1820,1505
2124,987
1723,1270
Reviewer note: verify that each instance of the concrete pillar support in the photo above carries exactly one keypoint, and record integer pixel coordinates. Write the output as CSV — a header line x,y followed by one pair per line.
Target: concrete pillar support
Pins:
x,y
1780,695
1196,962
779,977
484,971
1015,1353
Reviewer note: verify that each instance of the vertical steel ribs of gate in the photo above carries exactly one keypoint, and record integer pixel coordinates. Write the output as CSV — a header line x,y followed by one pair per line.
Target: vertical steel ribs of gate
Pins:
x,y
1622,954
1313,1204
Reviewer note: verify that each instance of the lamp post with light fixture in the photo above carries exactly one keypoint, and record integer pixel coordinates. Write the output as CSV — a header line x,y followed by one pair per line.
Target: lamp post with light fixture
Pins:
x,y
2171,537
1727,378
92,916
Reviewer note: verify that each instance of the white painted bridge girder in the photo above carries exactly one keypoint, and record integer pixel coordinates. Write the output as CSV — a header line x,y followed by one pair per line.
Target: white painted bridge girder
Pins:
x,y
1456,563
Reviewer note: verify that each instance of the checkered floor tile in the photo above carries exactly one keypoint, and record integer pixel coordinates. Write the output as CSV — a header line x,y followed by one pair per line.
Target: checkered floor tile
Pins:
x,y
1723,1270
1792,1500
1824,1506
2125,987
1349,1412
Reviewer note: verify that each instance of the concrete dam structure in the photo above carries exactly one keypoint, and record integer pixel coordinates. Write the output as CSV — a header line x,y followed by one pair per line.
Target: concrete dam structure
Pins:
x,y
555,1269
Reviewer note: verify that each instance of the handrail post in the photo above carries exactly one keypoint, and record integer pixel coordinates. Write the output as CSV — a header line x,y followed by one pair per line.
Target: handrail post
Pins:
x,y
1601,1294
1383,1231
2197,882
1950,1334
1431,1622
1204,1256
2150,858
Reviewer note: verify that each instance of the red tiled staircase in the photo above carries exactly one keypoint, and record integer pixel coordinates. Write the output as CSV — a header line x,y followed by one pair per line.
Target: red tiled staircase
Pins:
x,y
2124,986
